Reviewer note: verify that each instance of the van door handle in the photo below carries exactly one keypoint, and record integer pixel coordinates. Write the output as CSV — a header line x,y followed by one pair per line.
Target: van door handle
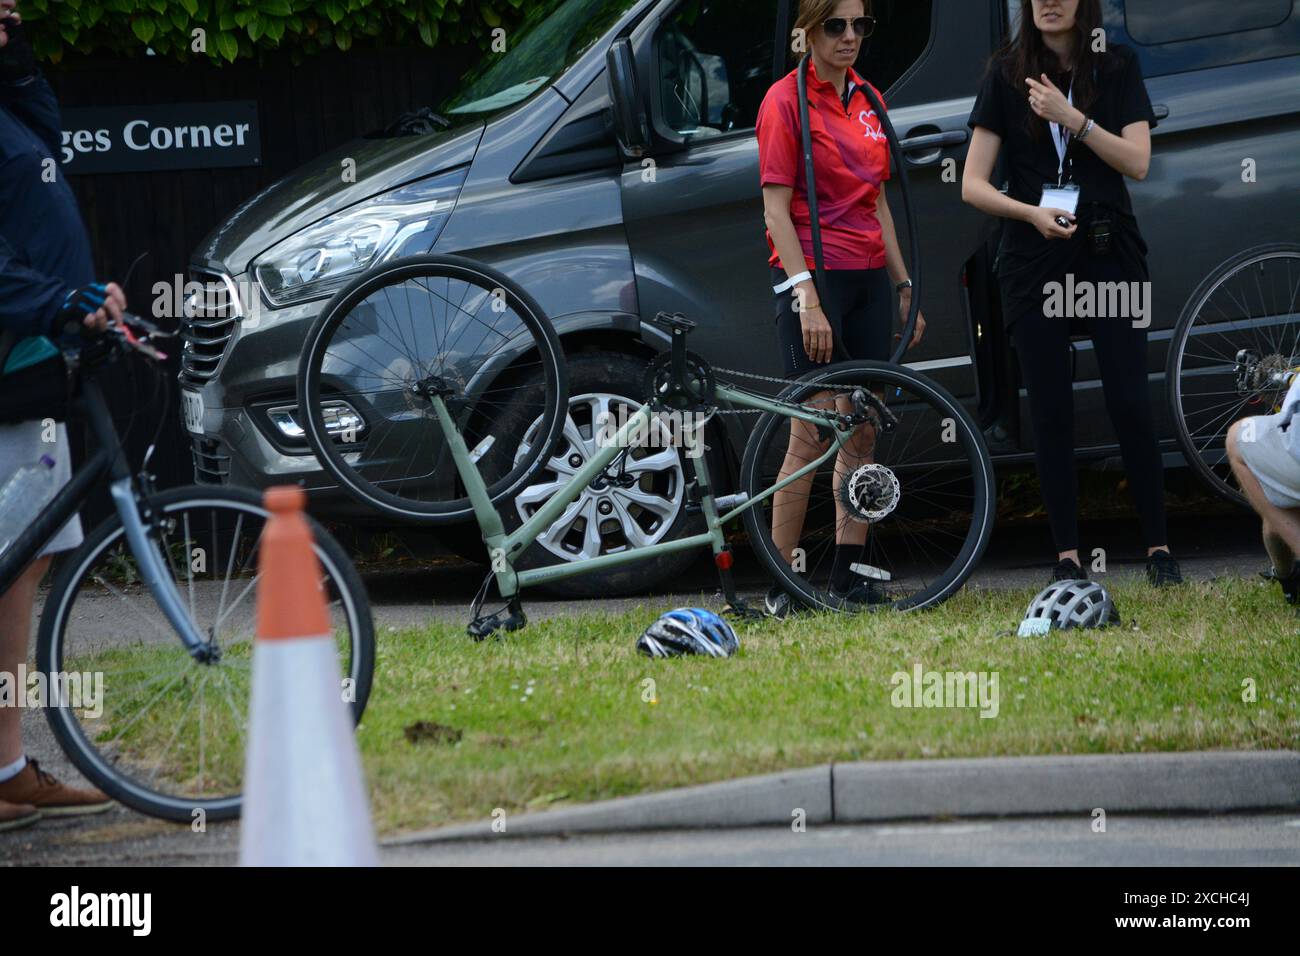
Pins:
x,y
952,137
1161,111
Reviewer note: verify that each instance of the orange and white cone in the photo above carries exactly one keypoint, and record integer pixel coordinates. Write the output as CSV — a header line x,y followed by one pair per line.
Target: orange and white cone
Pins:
x,y
304,792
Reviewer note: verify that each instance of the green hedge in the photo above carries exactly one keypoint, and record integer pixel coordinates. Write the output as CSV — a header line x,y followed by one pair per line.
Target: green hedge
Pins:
x,y
246,28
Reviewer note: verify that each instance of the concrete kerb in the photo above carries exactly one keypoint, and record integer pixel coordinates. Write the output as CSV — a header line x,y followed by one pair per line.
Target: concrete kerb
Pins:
x,y
878,791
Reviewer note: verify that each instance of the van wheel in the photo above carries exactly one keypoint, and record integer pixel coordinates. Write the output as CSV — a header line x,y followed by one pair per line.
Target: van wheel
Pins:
x,y
648,505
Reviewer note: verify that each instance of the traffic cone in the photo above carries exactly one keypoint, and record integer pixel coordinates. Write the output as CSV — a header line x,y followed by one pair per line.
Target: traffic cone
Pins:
x,y
304,793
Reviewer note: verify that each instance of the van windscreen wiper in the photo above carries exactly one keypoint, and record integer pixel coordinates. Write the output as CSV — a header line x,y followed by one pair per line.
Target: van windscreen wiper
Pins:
x,y
417,123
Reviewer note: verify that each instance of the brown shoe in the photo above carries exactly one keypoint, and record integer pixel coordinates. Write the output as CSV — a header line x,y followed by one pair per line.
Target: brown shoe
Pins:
x,y
53,799
16,815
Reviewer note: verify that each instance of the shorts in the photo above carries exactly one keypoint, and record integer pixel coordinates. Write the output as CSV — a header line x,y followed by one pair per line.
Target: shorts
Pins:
x,y
1270,460
860,311
24,444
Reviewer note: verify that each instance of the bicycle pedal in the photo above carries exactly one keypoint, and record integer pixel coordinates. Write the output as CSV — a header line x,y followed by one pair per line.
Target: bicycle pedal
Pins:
x,y
512,618
743,611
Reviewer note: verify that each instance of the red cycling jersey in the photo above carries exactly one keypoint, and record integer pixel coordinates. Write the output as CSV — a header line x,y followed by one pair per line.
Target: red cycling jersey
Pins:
x,y
851,160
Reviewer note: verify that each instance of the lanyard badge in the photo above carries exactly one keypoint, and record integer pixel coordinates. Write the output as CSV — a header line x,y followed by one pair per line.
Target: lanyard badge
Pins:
x,y
1062,195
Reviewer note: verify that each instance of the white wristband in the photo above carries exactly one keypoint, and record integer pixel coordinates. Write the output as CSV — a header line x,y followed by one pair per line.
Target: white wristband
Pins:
x,y
791,282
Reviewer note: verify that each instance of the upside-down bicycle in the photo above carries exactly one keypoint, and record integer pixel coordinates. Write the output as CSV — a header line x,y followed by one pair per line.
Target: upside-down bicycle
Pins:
x,y
413,373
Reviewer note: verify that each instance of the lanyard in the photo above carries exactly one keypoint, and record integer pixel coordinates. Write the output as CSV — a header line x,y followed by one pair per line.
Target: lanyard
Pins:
x,y
1061,139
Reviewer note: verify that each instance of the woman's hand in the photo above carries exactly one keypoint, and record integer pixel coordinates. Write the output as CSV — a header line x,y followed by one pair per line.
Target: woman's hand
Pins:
x,y
1043,219
818,340
1048,102
904,310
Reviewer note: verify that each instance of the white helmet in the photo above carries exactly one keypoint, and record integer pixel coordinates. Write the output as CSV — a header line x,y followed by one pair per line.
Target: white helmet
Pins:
x,y
1067,604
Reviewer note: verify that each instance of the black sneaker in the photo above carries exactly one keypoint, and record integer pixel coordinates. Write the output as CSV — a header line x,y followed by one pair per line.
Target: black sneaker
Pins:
x,y
1067,570
778,604
868,592
1289,583
1163,570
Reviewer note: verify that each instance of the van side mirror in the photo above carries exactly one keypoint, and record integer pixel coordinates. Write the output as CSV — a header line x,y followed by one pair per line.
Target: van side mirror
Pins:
x,y
630,123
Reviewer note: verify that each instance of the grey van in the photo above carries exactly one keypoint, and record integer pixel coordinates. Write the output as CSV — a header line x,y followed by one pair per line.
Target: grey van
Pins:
x,y
607,162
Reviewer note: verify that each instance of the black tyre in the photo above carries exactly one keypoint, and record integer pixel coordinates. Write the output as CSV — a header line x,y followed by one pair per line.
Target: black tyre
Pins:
x,y
923,496
425,323
169,738
1231,354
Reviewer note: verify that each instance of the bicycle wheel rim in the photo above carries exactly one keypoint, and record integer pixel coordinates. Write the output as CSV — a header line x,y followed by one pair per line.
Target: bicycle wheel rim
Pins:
x,y
118,769
938,520
412,323
1248,304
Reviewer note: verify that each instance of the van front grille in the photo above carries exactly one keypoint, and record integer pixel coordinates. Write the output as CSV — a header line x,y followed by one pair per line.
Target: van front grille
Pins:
x,y
207,325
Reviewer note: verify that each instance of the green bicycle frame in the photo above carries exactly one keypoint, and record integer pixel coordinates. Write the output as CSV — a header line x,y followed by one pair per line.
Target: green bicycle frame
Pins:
x,y
504,548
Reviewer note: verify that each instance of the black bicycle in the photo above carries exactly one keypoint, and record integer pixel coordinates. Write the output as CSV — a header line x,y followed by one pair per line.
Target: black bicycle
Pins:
x,y
157,608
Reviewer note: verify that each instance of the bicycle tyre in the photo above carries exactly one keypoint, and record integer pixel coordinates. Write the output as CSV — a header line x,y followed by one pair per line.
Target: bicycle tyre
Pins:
x,y
550,401
52,636
967,436
1174,367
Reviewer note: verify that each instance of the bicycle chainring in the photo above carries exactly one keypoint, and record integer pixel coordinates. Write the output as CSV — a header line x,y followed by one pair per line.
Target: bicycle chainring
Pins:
x,y
693,395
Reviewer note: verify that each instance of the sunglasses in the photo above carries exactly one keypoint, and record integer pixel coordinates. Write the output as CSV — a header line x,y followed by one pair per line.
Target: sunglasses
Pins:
x,y
862,26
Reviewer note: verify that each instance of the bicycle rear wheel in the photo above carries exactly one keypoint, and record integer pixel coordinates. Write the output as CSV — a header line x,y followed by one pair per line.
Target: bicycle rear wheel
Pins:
x,y
431,323
913,506
1238,333
166,736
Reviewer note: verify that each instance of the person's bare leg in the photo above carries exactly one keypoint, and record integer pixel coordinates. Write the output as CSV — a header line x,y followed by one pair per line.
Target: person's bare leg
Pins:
x,y
790,504
859,450
1281,525
15,634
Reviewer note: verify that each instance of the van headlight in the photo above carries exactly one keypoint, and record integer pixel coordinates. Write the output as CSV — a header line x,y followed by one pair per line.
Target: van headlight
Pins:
x,y
321,259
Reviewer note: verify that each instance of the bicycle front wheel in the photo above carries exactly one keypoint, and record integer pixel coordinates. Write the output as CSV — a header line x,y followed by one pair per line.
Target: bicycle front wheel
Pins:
x,y
906,510
411,328
155,729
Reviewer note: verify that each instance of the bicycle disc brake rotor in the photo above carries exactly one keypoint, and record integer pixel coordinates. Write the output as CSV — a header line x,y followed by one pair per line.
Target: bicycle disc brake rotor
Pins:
x,y
693,395
871,493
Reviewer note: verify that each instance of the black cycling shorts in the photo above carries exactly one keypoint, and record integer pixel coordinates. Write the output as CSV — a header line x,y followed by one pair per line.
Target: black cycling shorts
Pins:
x,y
860,311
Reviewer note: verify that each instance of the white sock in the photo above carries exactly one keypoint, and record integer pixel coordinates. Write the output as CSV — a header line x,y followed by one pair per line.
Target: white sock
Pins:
x,y
14,769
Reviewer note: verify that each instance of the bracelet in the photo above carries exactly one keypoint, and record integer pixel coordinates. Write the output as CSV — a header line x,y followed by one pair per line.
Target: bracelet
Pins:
x,y
905,284
1087,128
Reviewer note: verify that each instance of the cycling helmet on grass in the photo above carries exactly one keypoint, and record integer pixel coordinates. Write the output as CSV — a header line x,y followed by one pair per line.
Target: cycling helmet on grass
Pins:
x,y
1069,604
688,630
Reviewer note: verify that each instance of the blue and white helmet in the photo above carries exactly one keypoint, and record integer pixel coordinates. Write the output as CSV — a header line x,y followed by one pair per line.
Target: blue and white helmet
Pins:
x,y
688,630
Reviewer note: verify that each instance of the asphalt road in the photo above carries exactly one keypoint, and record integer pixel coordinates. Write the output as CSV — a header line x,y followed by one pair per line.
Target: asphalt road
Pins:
x,y
120,838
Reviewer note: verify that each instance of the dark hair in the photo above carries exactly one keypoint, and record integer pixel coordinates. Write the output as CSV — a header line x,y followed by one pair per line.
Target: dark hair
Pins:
x,y
1026,54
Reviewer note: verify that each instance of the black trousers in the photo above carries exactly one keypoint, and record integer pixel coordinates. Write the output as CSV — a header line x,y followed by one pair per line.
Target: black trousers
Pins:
x,y
1043,345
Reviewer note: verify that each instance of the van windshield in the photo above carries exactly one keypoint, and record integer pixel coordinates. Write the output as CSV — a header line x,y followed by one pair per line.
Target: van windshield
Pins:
x,y
549,40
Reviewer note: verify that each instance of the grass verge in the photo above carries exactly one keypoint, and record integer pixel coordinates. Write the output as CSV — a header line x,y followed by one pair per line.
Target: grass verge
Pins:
x,y
566,711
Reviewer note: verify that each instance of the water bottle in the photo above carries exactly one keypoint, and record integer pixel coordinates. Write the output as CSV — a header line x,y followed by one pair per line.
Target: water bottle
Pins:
x,y
24,495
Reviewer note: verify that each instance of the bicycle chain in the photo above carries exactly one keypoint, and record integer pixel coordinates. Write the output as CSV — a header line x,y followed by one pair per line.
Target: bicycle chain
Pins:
x,y
765,378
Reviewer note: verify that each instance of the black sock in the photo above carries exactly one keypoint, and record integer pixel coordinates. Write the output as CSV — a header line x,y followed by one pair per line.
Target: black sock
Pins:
x,y
843,577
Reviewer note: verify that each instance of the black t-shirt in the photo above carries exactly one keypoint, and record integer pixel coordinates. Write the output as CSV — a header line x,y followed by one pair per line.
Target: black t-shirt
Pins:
x,y
1027,261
